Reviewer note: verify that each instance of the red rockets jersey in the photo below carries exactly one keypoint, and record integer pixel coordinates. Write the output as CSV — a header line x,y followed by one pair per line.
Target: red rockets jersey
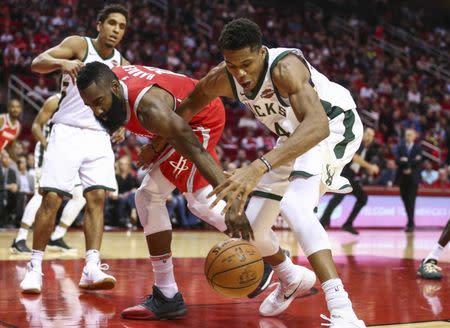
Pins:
x,y
8,132
139,79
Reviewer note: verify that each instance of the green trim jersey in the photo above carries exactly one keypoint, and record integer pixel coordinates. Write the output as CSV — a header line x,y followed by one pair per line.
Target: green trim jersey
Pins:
x,y
72,111
275,111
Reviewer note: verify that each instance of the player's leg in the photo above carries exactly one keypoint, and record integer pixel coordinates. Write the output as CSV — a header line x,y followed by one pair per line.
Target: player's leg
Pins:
x,y
428,268
96,172
58,174
29,214
166,302
361,201
69,214
325,220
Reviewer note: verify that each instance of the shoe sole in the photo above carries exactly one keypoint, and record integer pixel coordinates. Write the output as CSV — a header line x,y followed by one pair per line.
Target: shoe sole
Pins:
x,y
16,251
427,278
31,291
304,287
168,316
107,283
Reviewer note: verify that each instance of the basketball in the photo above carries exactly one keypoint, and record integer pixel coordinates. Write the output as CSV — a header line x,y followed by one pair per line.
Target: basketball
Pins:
x,y
234,268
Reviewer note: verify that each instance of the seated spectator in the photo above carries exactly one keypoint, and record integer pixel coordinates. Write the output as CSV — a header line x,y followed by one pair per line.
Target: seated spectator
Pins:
x,y
9,190
428,174
40,91
26,185
247,121
443,181
367,91
241,158
268,141
414,96
387,175
229,142
127,185
250,143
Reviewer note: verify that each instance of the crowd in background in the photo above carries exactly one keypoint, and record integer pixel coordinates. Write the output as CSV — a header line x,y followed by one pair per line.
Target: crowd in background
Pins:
x,y
396,92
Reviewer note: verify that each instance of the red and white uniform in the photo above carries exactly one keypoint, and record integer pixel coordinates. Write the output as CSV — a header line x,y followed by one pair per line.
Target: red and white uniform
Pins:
x,y
207,125
8,131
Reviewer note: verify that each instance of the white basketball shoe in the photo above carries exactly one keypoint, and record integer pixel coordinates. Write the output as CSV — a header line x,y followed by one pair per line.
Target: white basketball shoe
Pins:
x,y
336,321
280,299
93,277
32,282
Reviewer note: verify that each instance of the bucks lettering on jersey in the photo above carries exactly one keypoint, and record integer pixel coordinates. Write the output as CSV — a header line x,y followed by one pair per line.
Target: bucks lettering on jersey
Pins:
x,y
274,111
72,110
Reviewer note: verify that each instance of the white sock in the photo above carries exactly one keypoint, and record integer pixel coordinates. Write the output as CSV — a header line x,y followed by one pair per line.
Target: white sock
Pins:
x,y
286,271
337,299
22,234
164,277
92,257
58,233
36,259
435,253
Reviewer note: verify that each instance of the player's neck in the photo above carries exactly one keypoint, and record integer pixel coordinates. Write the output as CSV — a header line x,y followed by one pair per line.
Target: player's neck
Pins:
x,y
12,120
103,50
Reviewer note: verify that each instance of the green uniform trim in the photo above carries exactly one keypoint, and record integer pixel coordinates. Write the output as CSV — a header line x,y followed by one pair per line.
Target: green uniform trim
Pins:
x,y
87,50
268,195
97,187
345,186
349,136
98,53
300,174
349,120
56,190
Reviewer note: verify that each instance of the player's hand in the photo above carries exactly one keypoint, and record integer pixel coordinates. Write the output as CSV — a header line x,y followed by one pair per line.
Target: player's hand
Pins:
x,y
71,67
238,186
147,155
374,169
238,226
119,135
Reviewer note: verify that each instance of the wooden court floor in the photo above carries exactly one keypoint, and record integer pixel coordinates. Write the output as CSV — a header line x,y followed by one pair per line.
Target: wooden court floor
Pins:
x,y
378,269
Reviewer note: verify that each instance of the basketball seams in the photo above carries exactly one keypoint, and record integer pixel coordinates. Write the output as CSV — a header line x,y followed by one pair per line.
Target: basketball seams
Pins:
x,y
217,256
240,266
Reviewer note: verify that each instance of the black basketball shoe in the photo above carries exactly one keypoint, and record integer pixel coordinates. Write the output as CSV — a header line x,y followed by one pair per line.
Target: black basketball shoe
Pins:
x,y
156,307
19,247
60,244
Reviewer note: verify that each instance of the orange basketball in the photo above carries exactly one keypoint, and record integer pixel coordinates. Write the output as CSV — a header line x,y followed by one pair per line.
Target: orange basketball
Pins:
x,y
234,268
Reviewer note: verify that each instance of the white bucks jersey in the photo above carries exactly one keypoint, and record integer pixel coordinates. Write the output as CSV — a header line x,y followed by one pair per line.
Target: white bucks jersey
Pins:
x,y
275,111
72,111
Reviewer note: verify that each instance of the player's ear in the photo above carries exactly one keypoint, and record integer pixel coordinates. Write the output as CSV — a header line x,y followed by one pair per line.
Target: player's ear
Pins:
x,y
115,87
99,25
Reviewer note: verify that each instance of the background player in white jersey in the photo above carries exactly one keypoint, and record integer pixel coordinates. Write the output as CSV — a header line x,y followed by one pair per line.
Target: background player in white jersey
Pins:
x,y
78,146
319,131
41,130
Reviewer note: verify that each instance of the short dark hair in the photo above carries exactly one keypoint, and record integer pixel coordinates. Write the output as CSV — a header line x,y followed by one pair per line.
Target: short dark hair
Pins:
x,y
110,9
96,72
240,33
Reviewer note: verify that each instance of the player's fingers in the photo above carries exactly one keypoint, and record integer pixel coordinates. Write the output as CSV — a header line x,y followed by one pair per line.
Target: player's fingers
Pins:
x,y
230,201
218,189
243,201
228,174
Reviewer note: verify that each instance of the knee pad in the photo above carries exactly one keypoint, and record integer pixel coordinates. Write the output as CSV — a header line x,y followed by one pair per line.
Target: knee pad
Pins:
x,y
152,212
198,204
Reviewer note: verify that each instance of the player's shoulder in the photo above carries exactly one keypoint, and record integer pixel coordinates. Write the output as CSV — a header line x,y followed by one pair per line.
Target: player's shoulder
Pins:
x,y
75,40
216,78
52,100
289,69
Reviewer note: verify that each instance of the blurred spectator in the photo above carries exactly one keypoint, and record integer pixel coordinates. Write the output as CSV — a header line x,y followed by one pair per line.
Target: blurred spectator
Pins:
x,y
125,214
428,174
40,91
9,189
414,96
409,159
247,121
250,143
26,185
387,176
241,158
442,181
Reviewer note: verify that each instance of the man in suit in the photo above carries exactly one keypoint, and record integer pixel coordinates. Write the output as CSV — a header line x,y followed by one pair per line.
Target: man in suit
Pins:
x,y
361,159
409,160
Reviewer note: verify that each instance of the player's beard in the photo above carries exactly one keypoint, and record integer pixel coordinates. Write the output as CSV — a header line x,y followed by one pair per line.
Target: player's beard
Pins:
x,y
116,115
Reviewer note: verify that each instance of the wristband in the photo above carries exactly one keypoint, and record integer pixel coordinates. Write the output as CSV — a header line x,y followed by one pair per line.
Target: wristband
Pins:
x,y
266,163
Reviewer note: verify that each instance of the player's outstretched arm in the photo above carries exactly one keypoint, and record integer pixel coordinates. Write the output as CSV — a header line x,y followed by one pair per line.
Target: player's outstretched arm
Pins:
x,y
155,114
44,115
66,56
292,79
